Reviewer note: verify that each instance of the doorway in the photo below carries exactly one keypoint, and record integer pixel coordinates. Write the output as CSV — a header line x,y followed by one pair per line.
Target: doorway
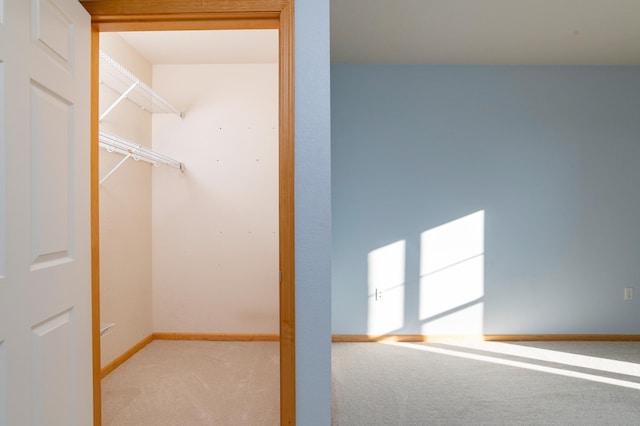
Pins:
x,y
189,249
115,15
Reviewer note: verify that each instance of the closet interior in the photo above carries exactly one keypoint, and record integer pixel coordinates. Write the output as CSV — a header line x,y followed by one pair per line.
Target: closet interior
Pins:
x,y
188,186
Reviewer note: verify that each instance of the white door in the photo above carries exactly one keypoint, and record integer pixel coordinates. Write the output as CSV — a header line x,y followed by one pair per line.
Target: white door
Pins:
x,y
45,282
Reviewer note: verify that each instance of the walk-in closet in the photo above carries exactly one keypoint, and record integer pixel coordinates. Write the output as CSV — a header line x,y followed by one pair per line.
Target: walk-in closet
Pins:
x,y
188,199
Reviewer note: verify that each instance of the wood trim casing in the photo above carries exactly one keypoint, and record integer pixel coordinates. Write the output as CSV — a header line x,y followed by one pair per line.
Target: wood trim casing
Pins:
x,y
363,338
217,337
124,8
211,337
182,23
188,21
562,337
125,356
121,15
286,220
95,228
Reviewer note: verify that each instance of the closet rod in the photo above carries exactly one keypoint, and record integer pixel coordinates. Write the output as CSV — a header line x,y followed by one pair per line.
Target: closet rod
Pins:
x,y
113,143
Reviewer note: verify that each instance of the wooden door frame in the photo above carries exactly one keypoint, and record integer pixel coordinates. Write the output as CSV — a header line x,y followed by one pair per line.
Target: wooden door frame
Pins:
x,y
131,15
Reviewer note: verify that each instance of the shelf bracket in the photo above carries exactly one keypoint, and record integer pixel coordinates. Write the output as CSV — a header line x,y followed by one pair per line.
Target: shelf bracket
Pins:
x,y
115,168
120,99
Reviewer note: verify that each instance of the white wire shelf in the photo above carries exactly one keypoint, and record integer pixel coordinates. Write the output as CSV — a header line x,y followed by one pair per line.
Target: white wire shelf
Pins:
x,y
113,143
128,86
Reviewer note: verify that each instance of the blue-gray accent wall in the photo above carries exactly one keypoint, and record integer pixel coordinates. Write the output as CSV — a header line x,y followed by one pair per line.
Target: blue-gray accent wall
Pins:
x,y
312,213
550,154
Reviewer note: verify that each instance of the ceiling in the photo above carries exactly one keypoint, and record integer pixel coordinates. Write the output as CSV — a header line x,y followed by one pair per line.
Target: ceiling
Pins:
x,y
512,32
205,47
518,32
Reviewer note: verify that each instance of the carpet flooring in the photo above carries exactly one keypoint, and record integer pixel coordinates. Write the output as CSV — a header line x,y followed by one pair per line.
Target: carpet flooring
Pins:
x,y
481,383
486,383
185,383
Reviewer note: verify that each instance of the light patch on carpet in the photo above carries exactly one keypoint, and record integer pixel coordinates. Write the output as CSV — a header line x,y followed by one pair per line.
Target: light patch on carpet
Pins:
x,y
547,355
521,364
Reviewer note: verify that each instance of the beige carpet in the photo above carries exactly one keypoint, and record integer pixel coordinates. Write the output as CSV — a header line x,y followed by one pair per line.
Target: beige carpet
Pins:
x,y
184,383
486,383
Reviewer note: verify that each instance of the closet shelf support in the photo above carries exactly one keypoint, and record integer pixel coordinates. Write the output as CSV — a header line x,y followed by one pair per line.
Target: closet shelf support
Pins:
x,y
120,163
117,101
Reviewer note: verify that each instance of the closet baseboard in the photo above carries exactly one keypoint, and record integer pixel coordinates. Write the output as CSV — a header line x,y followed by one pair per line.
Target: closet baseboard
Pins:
x,y
222,337
486,337
125,356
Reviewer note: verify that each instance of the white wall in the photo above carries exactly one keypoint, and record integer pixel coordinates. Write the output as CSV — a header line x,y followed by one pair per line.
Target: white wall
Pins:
x,y
215,228
125,212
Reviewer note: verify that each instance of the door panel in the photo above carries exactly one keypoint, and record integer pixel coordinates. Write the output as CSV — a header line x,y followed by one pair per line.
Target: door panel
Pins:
x,y
53,369
4,293
51,174
3,384
45,282
53,30
3,261
3,43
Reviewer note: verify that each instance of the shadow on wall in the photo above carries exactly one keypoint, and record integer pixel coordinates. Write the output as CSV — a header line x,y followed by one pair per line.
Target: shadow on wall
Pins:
x,y
451,281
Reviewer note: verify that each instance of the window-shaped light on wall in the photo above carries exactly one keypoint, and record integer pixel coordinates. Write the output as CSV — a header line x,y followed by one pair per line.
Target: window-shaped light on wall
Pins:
x,y
452,277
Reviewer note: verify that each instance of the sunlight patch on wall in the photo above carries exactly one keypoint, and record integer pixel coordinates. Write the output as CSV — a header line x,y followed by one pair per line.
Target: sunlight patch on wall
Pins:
x,y
386,282
452,277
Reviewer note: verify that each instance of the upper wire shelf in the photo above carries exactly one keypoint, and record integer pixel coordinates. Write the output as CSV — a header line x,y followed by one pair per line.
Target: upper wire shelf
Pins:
x,y
121,80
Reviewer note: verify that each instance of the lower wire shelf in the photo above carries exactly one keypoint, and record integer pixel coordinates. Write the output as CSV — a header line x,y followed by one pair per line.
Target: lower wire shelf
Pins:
x,y
113,143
